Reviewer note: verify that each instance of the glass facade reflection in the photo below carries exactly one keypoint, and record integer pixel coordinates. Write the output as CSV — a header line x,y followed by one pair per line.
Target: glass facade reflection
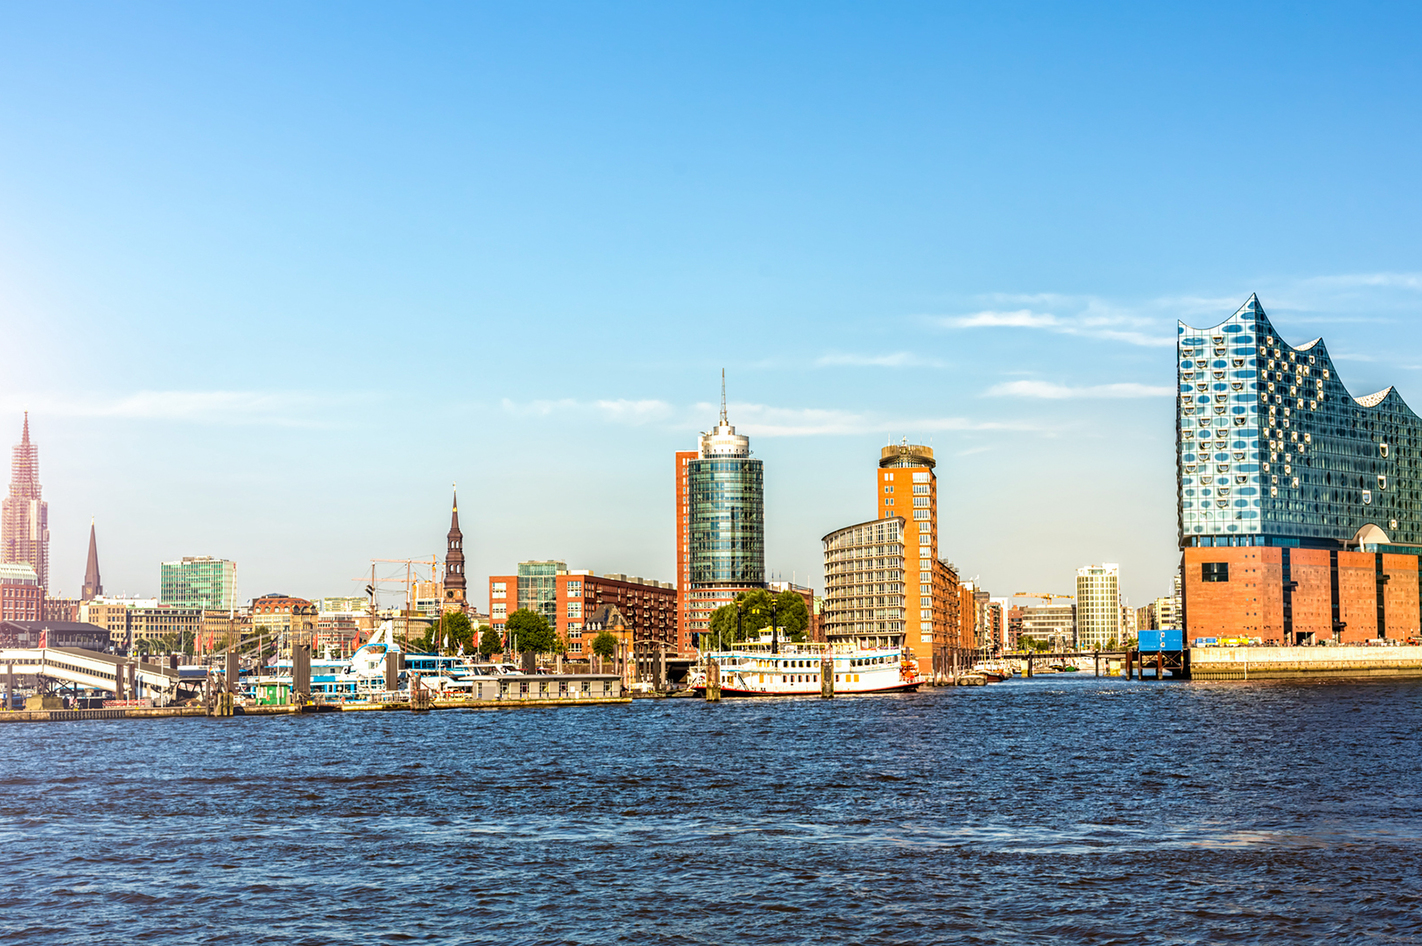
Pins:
x,y
538,588
1272,449
727,521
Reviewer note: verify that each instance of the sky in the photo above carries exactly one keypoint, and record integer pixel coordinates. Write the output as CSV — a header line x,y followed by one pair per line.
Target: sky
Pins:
x,y
273,276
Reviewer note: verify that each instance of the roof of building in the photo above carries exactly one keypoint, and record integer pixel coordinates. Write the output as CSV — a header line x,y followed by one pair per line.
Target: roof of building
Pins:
x,y
18,572
68,627
608,615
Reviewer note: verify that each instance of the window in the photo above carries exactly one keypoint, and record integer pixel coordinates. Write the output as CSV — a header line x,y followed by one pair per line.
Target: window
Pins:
x,y
575,587
1214,571
921,477
888,489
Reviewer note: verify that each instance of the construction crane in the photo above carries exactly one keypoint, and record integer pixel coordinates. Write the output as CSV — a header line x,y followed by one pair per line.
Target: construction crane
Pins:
x,y
1040,594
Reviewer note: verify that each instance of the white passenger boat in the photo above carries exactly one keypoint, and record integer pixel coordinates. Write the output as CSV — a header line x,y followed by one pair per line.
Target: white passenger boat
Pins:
x,y
761,669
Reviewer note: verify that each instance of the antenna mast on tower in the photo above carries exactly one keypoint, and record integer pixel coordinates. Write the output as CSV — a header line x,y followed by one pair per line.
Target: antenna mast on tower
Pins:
x,y
723,397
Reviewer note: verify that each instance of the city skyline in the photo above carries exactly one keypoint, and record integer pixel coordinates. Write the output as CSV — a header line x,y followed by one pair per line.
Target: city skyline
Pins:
x,y
327,288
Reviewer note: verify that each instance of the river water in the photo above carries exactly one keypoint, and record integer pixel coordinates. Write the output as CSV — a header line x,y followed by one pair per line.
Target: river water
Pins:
x,y
1062,809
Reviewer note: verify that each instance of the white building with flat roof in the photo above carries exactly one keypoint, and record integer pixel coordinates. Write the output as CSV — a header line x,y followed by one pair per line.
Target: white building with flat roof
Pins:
x,y
1098,607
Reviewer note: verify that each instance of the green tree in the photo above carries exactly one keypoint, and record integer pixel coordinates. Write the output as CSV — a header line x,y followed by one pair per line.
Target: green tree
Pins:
x,y
529,633
490,643
604,646
448,634
757,609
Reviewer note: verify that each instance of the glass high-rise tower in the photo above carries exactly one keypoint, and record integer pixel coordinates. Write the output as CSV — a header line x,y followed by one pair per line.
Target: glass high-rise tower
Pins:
x,y
198,581
720,524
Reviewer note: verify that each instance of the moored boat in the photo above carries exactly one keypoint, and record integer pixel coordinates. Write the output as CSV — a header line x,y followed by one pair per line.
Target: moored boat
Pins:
x,y
788,669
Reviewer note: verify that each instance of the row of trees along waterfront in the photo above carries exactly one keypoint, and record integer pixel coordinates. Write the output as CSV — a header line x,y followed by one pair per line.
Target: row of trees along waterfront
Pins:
x,y
753,612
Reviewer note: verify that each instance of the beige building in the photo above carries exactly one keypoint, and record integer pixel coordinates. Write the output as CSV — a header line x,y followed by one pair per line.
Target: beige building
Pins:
x,y
129,620
1098,607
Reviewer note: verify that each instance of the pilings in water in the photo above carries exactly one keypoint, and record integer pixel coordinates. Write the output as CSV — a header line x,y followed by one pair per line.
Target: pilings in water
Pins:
x,y
827,678
713,681
300,674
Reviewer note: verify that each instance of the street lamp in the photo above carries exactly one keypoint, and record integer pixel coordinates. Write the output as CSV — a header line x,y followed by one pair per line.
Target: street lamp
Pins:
x,y
774,631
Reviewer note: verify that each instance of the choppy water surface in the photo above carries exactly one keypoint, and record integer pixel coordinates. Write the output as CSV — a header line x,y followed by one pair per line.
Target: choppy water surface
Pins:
x,y
1055,810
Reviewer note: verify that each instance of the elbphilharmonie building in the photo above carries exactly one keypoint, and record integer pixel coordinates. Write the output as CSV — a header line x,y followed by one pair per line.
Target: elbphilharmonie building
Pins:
x,y
1313,492
1274,451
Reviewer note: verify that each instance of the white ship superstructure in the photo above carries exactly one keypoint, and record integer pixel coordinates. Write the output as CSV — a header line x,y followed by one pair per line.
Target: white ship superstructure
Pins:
x,y
763,669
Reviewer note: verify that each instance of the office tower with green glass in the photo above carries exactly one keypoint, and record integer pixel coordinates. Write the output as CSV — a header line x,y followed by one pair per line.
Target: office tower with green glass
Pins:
x,y
199,581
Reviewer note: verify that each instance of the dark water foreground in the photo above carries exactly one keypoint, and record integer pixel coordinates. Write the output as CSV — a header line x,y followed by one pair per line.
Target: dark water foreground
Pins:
x,y
1055,810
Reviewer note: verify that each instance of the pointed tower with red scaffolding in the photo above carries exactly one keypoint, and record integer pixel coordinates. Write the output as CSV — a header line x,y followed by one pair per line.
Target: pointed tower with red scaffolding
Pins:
x,y
24,516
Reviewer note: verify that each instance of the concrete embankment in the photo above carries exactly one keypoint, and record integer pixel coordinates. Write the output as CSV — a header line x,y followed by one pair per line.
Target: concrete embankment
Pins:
x,y
1245,663
182,712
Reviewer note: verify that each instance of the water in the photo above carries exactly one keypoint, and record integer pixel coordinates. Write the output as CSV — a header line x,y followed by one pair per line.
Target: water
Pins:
x,y
1054,810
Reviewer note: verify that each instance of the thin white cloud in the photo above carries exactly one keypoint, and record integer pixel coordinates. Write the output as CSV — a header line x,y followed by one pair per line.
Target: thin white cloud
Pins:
x,y
1095,320
1049,391
1022,318
621,411
898,359
1412,281
232,407
756,420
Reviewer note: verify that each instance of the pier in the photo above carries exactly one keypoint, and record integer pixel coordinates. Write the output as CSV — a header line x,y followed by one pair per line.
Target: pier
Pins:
x,y
144,690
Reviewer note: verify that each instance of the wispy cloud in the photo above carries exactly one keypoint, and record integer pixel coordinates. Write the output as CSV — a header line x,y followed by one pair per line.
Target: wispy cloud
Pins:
x,y
898,359
1411,281
1022,318
1049,391
620,410
1093,318
231,407
756,420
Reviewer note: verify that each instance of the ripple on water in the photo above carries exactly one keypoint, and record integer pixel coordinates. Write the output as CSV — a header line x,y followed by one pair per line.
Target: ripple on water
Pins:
x,y
1044,811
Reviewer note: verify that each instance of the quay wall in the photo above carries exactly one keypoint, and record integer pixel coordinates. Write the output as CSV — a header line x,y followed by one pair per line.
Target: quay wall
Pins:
x,y
177,712
1244,663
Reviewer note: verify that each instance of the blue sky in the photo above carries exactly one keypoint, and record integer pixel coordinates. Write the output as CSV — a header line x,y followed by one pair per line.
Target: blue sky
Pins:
x,y
272,276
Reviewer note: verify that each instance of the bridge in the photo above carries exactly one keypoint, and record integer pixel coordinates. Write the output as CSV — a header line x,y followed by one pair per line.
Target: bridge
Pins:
x,y
87,668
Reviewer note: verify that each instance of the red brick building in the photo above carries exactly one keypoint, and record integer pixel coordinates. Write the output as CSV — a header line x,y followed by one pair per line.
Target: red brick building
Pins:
x,y
649,607
1292,596
21,597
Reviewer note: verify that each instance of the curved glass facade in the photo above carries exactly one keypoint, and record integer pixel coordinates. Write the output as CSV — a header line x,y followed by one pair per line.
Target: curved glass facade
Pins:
x,y
1272,449
727,527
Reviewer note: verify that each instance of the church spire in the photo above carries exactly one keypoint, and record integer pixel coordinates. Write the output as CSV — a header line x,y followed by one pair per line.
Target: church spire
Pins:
x,y
454,585
25,437
93,587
